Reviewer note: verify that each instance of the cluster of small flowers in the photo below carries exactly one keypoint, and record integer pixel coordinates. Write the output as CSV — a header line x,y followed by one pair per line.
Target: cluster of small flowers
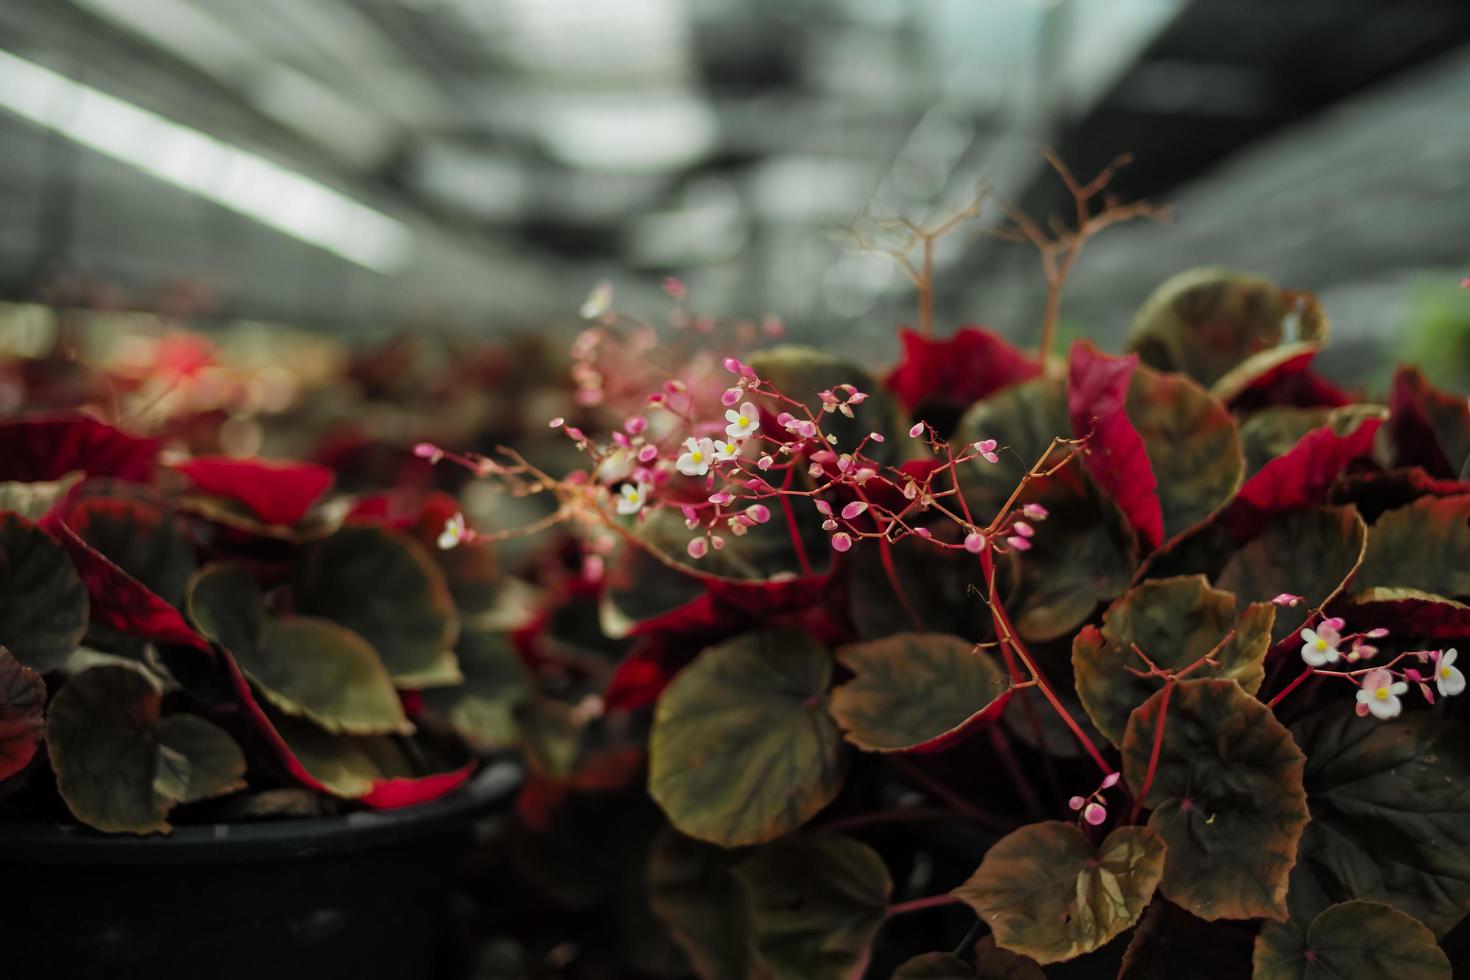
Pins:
x,y
1091,809
1379,688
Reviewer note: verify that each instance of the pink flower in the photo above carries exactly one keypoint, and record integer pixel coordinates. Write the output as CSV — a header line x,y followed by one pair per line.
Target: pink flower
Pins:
x,y
853,510
986,449
675,288
974,542
698,547
1035,511
1287,599
1319,646
822,506
648,454
1379,695
917,430
1018,543
841,541
1094,813
923,532
1448,678
1077,802
720,497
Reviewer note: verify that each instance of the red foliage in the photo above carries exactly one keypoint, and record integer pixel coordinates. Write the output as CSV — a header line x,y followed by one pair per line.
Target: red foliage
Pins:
x,y
49,447
1097,399
1413,405
1292,382
276,492
958,371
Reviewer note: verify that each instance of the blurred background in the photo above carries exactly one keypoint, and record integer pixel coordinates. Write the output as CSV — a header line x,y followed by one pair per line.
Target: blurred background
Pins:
x,y
355,167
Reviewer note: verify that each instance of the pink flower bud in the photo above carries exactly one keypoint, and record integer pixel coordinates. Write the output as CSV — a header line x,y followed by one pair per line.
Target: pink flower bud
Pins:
x,y
841,541
822,506
875,436
734,366
923,532
730,397
829,525
1035,511
759,513
1111,780
575,433
698,547
1094,813
974,542
674,288
1287,599
1376,634
1023,529
427,450
853,510
648,454
985,446
1336,623
917,430
1018,543
764,463
720,497
557,422
1076,803
635,425
1411,674
593,568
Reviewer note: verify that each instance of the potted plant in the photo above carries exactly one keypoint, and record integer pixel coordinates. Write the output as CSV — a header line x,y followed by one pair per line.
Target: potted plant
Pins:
x,y
241,716
1010,664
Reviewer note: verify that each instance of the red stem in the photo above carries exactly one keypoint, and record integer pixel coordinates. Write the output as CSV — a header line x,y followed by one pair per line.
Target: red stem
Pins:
x,y
1297,682
919,904
1153,758
791,529
886,554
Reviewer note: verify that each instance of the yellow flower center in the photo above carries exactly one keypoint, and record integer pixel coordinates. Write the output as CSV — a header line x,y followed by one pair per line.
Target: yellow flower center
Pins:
x,y
697,456
743,421
1381,694
1445,672
1321,644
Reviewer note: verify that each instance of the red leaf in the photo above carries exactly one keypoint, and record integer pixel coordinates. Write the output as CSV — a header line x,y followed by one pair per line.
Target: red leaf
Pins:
x,y
1428,427
1405,613
122,603
1375,492
49,447
1292,382
1097,398
604,771
958,371
1298,478
643,674
22,718
276,492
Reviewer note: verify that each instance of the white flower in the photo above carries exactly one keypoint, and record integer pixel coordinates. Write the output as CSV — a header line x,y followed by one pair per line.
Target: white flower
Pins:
x,y
699,453
598,302
1379,695
631,498
454,529
726,451
742,423
1320,646
1447,678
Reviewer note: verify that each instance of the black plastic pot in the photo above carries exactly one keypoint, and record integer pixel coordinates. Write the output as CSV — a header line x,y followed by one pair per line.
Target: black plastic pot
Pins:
x,y
360,896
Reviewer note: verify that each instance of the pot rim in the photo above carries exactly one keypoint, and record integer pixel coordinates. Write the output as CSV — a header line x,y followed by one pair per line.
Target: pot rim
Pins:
x,y
54,843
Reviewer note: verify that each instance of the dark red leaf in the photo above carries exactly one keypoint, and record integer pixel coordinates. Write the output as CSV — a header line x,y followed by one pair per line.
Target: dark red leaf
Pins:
x,y
1291,382
644,673
1428,427
278,492
49,447
1300,477
604,771
1374,492
953,373
1097,396
1407,613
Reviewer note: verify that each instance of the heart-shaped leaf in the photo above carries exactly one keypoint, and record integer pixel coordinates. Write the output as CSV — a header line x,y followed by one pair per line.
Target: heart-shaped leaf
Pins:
x,y
1351,941
307,667
22,719
1170,944
816,902
1025,418
1047,893
384,586
278,492
916,692
743,749
938,378
120,766
140,539
990,963
1424,546
1390,806
1428,427
51,446
1099,390
694,892
1175,622
1205,321
482,710
43,604
1226,796
801,372
1278,376
375,770
1310,553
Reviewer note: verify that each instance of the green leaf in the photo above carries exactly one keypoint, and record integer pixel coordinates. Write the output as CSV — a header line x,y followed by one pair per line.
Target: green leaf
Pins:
x,y
743,749
1424,546
695,894
913,690
816,903
990,963
1390,806
22,718
1170,944
307,667
43,604
1206,321
1227,797
1351,941
483,709
1256,366
139,538
349,765
1024,418
33,500
1310,553
119,766
1047,893
1192,445
801,372
938,583
1175,621
385,587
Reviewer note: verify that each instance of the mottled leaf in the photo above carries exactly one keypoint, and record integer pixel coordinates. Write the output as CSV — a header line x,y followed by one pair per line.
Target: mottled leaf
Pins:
x,y
816,902
22,719
1170,944
1024,418
119,766
140,539
801,372
916,692
1390,806
1351,941
49,447
1408,612
483,709
990,962
937,586
938,378
1278,376
383,586
1424,546
1047,893
1205,321
43,604
1428,427
1175,622
1310,553
1227,797
743,749
33,500
695,894
305,666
